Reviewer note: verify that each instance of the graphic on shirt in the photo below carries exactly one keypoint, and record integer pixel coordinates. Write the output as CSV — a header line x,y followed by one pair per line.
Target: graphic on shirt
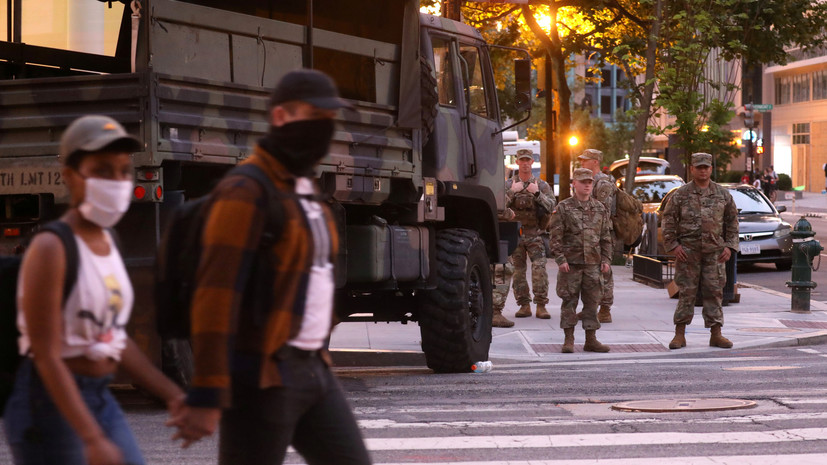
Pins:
x,y
109,321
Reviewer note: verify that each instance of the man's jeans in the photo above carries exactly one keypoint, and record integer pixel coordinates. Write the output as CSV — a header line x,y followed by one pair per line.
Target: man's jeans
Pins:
x,y
38,434
309,412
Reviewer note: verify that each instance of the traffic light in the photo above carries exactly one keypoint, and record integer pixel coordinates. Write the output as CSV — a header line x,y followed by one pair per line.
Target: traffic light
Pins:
x,y
749,119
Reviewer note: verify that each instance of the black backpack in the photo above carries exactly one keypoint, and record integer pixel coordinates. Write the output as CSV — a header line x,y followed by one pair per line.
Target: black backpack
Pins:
x,y
9,269
180,252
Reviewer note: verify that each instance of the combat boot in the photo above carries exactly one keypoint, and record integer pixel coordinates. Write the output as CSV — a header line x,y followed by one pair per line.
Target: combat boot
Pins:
x,y
718,340
568,343
603,315
499,321
542,313
592,344
680,337
524,311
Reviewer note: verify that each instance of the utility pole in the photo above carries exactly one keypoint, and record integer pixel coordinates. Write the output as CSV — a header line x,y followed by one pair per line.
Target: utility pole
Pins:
x,y
451,9
551,159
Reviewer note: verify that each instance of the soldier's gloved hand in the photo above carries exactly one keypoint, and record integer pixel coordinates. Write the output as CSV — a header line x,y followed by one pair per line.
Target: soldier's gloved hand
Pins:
x,y
517,186
533,188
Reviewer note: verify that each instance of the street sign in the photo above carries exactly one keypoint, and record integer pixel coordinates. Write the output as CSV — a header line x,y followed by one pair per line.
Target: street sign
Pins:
x,y
789,195
762,107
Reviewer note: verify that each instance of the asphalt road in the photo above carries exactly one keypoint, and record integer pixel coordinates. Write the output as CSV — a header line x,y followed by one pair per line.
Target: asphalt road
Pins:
x,y
555,413
766,275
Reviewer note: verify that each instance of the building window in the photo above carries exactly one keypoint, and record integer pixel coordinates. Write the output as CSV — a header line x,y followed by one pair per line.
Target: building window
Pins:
x,y
605,104
820,85
606,75
782,90
801,88
801,133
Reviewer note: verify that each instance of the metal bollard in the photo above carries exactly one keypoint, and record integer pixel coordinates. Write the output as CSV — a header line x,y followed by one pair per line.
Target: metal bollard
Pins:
x,y
805,250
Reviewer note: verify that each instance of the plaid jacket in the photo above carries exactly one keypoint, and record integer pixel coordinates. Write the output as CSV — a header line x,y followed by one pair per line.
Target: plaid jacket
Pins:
x,y
231,340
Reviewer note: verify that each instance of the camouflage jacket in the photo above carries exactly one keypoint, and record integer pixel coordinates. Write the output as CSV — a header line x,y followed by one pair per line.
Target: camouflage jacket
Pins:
x,y
605,191
580,233
701,219
528,207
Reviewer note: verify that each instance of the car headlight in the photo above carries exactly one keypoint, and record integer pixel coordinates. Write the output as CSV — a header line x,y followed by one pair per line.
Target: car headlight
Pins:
x,y
783,232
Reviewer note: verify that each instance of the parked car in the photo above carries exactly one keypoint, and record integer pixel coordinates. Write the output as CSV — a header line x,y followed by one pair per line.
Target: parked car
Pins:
x,y
650,189
645,165
763,236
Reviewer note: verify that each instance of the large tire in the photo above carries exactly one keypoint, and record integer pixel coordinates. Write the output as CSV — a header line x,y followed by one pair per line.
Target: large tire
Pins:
x,y
429,98
456,316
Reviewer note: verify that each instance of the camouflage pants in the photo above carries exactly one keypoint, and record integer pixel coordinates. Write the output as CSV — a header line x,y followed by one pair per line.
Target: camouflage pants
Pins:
x,y
700,269
609,281
581,282
530,248
608,289
502,282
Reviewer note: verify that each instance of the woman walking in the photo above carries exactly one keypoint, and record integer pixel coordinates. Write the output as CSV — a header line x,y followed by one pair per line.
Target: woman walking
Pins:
x,y
61,410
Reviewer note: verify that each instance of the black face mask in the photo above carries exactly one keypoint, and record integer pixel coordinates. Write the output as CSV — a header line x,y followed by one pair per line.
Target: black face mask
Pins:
x,y
300,145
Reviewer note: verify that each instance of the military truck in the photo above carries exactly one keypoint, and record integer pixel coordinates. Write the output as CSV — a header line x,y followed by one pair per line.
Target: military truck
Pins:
x,y
415,174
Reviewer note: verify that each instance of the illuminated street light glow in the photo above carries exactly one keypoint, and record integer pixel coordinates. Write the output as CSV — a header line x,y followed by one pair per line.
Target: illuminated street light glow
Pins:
x,y
573,141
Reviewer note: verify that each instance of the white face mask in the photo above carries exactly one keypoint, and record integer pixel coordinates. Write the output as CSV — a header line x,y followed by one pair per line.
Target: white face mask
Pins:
x,y
105,201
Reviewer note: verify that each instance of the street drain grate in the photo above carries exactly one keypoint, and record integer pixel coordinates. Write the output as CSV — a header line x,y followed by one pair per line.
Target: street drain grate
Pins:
x,y
616,348
804,324
683,405
769,330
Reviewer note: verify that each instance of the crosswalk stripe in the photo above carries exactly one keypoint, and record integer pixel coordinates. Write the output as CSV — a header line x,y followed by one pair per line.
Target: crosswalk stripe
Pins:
x,y
798,459
748,419
591,440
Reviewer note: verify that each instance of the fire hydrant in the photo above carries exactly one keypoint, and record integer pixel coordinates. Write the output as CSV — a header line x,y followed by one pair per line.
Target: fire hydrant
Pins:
x,y
805,249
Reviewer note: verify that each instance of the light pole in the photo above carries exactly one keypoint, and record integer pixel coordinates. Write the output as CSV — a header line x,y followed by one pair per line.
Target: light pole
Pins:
x,y
573,141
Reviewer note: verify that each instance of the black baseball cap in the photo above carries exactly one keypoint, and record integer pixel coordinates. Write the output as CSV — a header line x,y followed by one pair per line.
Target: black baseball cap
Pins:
x,y
310,86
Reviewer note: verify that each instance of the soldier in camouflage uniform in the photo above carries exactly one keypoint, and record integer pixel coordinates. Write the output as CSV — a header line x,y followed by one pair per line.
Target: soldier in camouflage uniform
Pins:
x,y
604,191
502,282
700,227
581,244
532,201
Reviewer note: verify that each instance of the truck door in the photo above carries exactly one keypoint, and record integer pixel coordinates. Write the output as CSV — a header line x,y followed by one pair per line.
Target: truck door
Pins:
x,y
484,146
450,137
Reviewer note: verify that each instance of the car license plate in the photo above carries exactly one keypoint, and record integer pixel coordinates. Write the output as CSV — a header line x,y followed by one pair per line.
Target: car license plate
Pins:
x,y
750,249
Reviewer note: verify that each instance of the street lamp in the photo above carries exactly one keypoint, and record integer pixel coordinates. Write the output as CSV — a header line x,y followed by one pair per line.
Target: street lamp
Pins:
x,y
573,141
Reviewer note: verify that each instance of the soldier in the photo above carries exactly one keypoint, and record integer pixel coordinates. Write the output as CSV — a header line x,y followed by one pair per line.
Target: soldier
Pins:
x,y
532,201
581,245
502,282
605,192
700,227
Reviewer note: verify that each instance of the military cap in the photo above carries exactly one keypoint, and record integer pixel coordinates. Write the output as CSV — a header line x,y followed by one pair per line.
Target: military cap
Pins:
x,y
591,154
583,174
525,153
94,133
701,158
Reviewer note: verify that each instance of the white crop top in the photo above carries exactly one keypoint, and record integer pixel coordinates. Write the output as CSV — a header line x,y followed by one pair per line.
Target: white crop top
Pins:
x,y
97,309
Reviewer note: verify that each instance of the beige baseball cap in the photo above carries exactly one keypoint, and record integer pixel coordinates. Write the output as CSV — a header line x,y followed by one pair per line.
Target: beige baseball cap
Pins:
x,y
583,174
92,133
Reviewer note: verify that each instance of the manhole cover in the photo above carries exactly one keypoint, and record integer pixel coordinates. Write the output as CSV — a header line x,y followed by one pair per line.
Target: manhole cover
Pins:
x,y
769,330
683,405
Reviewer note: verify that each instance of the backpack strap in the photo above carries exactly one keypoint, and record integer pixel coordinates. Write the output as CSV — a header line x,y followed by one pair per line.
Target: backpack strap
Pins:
x,y
67,237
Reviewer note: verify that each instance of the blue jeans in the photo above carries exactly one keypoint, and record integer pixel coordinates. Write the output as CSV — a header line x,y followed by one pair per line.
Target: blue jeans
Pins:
x,y
38,434
309,412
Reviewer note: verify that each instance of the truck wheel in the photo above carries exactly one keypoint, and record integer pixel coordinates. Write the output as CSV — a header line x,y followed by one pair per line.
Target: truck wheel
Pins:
x,y
456,316
429,98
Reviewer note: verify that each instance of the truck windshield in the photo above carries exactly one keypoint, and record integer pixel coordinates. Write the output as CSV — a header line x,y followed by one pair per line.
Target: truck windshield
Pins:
x,y
78,26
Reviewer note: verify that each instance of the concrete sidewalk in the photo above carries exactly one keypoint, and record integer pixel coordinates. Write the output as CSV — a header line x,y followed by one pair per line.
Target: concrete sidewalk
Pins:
x,y
810,202
642,327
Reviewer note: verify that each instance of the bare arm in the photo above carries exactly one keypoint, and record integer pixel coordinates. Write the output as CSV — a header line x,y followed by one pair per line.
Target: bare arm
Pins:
x,y
146,375
43,271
